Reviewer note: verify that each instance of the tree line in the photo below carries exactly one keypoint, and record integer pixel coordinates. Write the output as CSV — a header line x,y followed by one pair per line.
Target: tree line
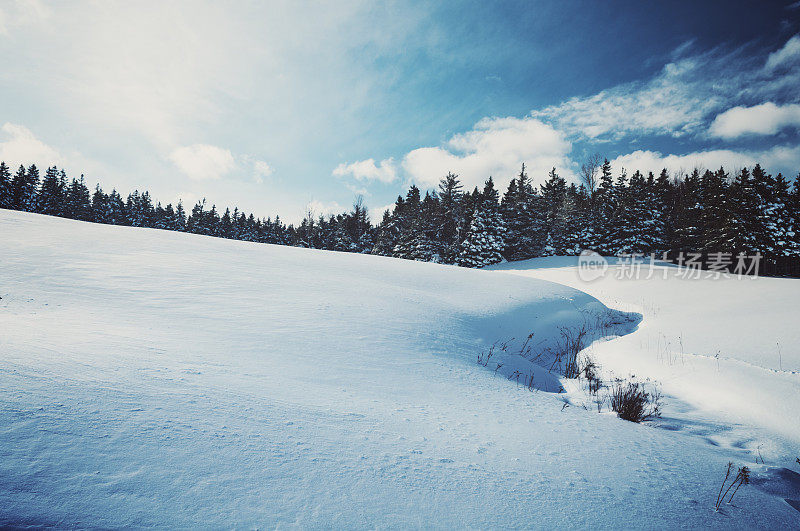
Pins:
x,y
701,211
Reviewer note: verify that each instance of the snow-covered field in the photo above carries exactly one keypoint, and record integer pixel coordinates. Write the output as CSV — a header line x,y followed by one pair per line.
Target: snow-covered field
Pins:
x,y
150,378
726,350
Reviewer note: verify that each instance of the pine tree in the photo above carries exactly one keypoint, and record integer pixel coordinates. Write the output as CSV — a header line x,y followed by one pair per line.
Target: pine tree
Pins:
x,y
115,209
716,212
794,217
524,222
744,219
50,199
226,225
99,206
689,230
388,233
78,202
450,218
767,211
24,188
5,186
484,242
179,222
781,222
553,206
603,209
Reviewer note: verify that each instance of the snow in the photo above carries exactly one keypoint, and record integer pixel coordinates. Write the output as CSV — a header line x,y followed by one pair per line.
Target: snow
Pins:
x,y
152,378
727,349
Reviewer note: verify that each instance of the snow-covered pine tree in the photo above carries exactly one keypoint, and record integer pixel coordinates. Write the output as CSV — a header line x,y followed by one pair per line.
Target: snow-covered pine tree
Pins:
x,y
449,218
744,219
484,242
359,227
115,212
78,201
5,186
794,216
50,199
716,212
663,208
408,224
99,205
523,219
689,215
552,204
179,221
24,186
603,208
767,212
226,224
388,232
781,224
578,214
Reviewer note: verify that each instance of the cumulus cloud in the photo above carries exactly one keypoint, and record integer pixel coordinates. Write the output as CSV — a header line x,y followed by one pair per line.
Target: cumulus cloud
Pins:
x,y
764,119
788,54
784,159
20,146
366,170
494,147
203,162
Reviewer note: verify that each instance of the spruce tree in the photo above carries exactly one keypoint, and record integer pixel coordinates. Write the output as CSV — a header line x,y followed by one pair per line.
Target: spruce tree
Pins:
x,y
689,230
99,206
523,218
5,186
450,218
553,207
781,224
79,204
24,187
603,210
50,199
484,242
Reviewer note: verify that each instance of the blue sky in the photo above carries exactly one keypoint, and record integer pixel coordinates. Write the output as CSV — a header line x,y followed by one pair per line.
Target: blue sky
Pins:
x,y
283,106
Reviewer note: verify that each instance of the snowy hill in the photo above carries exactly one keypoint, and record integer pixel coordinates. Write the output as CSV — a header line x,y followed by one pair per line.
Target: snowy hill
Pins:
x,y
155,378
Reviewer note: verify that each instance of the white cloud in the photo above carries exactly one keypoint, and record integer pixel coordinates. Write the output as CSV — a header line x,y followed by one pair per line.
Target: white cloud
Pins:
x,y
203,162
788,54
20,13
672,103
682,98
20,146
367,170
494,147
376,214
777,159
262,168
764,119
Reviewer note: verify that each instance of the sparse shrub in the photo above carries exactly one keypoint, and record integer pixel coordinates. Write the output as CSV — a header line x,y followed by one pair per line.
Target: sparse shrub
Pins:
x,y
572,341
591,372
742,478
632,402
